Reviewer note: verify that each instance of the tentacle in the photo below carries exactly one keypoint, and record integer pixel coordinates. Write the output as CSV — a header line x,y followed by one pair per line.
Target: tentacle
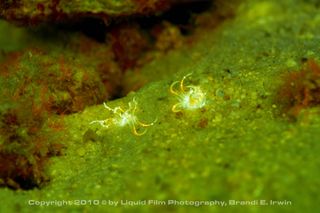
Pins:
x,y
171,88
97,121
134,106
101,122
135,132
175,107
146,125
182,82
118,110
107,107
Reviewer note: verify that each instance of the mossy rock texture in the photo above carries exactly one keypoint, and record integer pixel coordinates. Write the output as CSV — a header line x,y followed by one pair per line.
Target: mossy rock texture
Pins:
x,y
34,12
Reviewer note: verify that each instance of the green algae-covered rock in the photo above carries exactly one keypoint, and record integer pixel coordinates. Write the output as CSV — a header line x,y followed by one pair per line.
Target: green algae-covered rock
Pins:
x,y
26,11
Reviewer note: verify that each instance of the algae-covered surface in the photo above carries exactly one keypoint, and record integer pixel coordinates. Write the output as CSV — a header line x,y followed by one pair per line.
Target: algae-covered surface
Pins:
x,y
249,135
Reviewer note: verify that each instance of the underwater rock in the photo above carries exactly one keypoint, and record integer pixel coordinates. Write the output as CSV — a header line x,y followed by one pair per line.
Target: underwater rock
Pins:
x,y
300,90
53,82
34,12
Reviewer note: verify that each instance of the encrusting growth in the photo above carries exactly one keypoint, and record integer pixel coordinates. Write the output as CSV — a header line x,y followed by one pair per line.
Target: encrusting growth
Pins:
x,y
300,89
123,117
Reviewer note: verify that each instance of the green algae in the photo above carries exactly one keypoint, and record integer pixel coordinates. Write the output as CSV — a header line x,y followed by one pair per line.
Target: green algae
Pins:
x,y
243,150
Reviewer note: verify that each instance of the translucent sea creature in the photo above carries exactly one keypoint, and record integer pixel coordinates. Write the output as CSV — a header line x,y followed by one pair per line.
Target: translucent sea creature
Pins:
x,y
123,117
190,97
